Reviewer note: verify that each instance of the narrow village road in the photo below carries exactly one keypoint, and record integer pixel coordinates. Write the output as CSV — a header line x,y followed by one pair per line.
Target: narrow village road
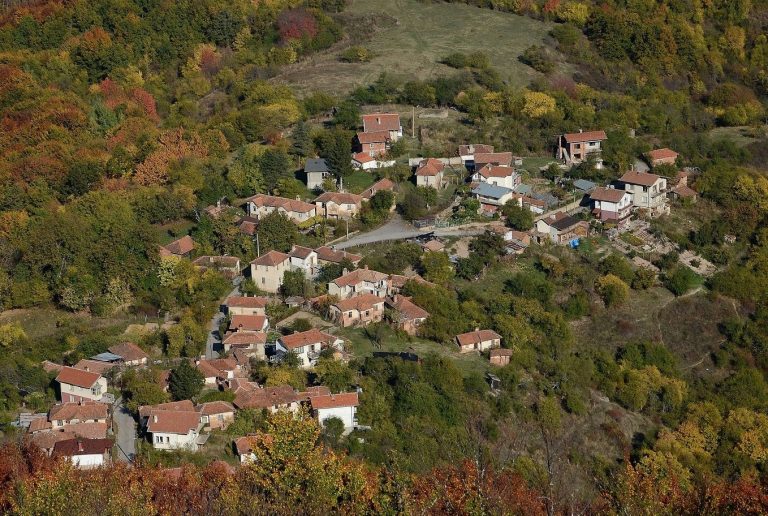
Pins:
x,y
214,337
398,229
125,437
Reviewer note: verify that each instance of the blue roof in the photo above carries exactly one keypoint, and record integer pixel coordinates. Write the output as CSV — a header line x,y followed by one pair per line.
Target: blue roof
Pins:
x,y
550,199
491,191
584,185
523,189
107,357
316,165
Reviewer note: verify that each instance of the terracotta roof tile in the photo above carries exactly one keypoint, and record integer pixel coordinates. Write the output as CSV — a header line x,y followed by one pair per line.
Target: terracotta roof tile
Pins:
x,y
607,194
493,158
639,178
664,153
373,137
329,401
181,246
267,397
129,351
82,446
339,198
289,205
585,136
87,430
183,406
407,308
358,276
173,421
94,366
247,302
248,322
430,167
245,338
215,407
78,377
331,255
271,258
79,411
381,184
304,338
381,122
359,303
298,251
477,336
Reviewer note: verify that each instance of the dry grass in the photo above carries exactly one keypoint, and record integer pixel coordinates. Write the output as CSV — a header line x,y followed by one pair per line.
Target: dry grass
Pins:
x,y
409,37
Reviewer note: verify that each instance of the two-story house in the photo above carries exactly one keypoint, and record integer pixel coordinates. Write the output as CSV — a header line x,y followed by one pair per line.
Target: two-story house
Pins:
x,y
298,211
429,173
467,152
64,414
409,316
573,148
374,144
218,369
478,340
358,310
497,175
338,205
76,385
611,205
496,159
268,269
387,122
649,191
561,228
84,453
304,259
307,345
217,415
359,281
378,186
491,196
255,341
248,323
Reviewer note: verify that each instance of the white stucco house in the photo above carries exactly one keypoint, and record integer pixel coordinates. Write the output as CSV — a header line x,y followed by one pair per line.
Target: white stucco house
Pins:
x,y
307,345
342,406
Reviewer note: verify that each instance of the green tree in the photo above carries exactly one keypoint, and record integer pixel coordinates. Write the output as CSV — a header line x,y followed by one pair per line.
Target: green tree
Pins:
x,y
437,267
612,290
295,283
337,151
347,115
517,217
185,381
334,374
278,232
301,145
274,165
680,280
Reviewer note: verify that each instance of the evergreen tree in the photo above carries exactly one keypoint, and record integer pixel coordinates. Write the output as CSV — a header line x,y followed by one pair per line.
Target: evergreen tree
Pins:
x,y
185,381
302,142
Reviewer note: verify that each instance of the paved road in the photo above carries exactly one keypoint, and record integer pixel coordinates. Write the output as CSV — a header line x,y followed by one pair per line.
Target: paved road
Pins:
x,y
126,432
398,229
214,337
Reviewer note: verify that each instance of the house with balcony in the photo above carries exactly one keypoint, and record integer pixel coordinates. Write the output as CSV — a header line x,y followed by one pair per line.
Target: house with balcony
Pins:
x,y
611,205
649,191
504,176
574,148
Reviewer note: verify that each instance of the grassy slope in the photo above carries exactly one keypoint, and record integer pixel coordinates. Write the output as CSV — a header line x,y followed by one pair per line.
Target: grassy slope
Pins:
x,y
422,35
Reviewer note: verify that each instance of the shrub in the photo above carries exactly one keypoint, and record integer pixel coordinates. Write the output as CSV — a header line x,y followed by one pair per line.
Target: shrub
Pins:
x,y
612,290
538,58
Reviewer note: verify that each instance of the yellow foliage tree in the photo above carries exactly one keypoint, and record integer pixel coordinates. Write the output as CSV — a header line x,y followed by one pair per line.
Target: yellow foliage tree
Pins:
x,y
538,104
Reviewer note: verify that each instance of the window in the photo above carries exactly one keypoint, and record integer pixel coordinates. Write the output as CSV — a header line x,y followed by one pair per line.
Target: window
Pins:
x,y
367,313
263,280
349,314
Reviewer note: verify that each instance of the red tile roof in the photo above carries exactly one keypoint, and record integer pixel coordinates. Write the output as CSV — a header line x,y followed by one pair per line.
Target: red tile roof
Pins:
x,y
607,194
639,178
359,303
39,424
298,251
244,445
381,184
129,351
363,157
248,227
381,122
430,167
216,261
217,368
373,137
182,406
475,148
272,201
181,246
502,352
477,336
245,338
81,446
664,153
81,411
215,407
47,440
271,258
339,198
247,322
585,136
407,308
267,397
489,170
331,255
247,302
87,430
329,401
172,421
50,367
305,338
358,276
78,377
94,366
494,158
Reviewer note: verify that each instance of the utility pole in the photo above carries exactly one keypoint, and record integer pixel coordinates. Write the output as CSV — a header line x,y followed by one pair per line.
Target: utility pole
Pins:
x,y
413,122
258,247
347,221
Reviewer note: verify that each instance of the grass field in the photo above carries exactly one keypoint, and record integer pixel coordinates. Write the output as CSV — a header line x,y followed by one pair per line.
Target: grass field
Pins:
x,y
409,39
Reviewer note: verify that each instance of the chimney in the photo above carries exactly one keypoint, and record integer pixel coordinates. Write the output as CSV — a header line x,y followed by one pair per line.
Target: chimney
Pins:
x,y
298,198
154,418
366,266
477,328
344,271
581,130
80,446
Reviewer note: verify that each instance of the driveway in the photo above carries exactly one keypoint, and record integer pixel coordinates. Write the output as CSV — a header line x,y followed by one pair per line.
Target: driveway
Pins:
x,y
398,229
125,437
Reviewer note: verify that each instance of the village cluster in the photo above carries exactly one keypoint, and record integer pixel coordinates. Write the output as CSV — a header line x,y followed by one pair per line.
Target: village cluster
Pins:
x,y
78,427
